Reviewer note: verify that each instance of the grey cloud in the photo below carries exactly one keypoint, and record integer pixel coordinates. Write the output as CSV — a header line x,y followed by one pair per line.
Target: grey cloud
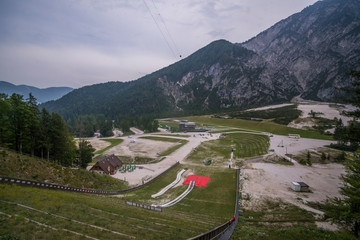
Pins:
x,y
79,42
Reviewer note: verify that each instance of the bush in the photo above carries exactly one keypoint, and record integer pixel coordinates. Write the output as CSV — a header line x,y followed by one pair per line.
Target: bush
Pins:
x,y
309,162
323,157
302,161
341,157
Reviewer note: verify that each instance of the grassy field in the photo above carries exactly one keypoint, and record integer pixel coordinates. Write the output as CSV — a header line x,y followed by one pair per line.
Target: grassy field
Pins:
x,y
215,201
276,220
173,140
113,142
26,167
234,130
259,126
199,212
73,212
173,125
244,145
203,209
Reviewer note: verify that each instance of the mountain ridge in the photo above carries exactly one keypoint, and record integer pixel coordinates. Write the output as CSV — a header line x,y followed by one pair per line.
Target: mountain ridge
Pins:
x,y
308,54
41,94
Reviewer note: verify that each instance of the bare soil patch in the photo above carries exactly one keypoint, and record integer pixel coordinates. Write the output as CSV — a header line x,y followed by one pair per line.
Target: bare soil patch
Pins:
x,y
263,180
140,147
97,143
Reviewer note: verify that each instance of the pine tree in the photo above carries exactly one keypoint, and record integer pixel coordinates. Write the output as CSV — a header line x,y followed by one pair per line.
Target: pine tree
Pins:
x,y
346,211
33,120
4,119
18,121
63,149
86,153
308,159
323,157
45,134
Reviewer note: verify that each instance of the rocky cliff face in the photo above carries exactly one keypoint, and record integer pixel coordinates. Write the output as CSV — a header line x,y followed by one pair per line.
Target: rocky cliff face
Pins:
x,y
308,54
318,47
236,78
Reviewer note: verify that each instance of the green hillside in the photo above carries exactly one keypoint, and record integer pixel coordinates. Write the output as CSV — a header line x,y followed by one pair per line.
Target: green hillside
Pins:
x,y
264,126
202,210
26,167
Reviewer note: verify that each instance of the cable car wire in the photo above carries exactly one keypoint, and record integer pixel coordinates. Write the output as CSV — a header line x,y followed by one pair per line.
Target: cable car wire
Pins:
x,y
161,31
167,30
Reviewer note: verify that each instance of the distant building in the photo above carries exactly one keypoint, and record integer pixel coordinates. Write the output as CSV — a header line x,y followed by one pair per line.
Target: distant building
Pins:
x,y
296,136
299,187
184,125
108,165
256,119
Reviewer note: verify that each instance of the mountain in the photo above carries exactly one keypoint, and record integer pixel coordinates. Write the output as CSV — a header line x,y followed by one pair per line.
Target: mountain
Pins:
x,y
41,94
316,48
309,54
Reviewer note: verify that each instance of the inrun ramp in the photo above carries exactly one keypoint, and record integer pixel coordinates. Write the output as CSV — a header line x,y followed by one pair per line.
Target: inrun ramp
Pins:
x,y
179,198
165,189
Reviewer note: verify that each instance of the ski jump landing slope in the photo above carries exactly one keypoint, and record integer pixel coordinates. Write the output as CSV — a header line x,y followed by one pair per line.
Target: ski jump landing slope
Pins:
x,y
165,189
179,198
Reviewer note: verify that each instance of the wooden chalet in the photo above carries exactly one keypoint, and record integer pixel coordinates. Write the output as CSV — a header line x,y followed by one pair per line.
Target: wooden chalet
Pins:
x,y
108,165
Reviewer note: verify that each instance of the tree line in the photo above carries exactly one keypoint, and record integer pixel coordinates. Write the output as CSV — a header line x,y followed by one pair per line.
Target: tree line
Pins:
x,y
345,211
27,129
87,125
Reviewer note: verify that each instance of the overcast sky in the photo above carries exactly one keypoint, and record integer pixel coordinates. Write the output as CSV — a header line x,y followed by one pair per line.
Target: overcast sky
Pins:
x,y
74,43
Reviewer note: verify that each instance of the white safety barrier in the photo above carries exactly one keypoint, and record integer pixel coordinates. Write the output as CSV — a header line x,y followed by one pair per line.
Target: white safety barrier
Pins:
x,y
165,189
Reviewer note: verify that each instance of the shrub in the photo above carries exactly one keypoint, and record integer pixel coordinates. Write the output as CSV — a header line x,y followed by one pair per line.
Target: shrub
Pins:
x,y
323,157
302,162
341,157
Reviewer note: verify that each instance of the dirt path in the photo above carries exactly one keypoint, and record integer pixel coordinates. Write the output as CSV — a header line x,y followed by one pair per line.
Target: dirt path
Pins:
x,y
136,131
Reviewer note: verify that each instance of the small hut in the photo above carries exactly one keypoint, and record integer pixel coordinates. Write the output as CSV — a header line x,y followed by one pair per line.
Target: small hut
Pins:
x,y
299,187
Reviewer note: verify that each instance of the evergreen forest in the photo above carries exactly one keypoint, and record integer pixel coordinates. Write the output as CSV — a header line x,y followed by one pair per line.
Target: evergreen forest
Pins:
x,y
26,129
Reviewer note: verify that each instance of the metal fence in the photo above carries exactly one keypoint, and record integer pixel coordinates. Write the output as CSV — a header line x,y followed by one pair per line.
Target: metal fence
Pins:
x,y
158,209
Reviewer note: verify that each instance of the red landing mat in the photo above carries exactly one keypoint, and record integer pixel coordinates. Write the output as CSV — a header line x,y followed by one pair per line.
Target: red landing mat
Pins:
x,y
199,180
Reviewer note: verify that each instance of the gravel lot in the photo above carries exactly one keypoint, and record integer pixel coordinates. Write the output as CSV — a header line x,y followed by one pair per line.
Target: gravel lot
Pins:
x,y
135,146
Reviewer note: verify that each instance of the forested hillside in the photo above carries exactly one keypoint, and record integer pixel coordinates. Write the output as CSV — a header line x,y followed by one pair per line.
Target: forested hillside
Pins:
x,y
26,129
94,107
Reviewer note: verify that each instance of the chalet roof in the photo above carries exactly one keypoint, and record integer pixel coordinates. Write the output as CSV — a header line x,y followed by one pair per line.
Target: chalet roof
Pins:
x,y
108,164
